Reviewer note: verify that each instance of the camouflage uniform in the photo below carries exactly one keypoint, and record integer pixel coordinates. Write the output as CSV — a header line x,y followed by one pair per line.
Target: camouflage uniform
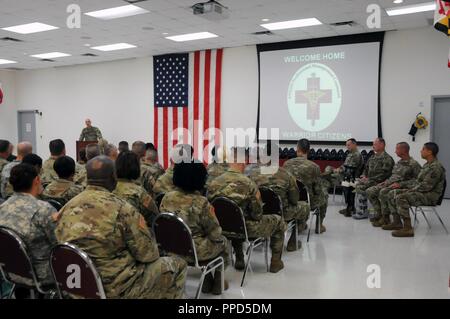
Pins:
x,y
164,184
90,134
424,191
61,190
377,170
156,170
285,186
244,192
403,172
6,188
195,210
121,246
147,179
3,163
216,169
308,173
48,173
80,177
138,198
34,221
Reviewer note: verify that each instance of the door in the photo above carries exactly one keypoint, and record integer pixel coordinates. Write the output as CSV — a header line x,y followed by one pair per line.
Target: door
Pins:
x,y
27,127
440,132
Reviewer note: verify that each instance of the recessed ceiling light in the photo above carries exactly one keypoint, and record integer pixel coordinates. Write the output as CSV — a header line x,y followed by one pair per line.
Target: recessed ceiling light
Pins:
x,y
30,28
3,61
414,8
192,36
51,55
117,12
165,33
87,45
291,24
398,1
265,20
114,47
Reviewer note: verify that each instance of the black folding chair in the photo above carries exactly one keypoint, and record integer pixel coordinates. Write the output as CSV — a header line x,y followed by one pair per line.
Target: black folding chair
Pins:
x,y
174,236
56,204
75,273
433,209
304,196
231,219
273,205
16,266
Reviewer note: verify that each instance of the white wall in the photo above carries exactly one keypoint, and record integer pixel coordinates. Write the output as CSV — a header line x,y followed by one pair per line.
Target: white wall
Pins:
x,y
118,95
8,110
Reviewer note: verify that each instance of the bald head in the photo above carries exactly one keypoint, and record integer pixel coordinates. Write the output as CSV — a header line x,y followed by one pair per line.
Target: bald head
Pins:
x,y
88,122
23,149
138,148
101,172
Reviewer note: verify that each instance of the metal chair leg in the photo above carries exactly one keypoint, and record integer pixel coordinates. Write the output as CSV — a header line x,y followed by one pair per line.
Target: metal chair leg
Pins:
x,y
425,217
11,293
266,253
249,255
200,284
440,219
295,229
311,216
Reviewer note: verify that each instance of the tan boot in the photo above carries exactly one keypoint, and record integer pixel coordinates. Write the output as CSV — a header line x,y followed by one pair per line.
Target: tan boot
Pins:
x,y
208,284
406,231
217,286
395,225
276,264
383,220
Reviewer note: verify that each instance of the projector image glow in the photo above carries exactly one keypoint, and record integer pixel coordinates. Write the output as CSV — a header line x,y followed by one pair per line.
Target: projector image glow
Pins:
x,y
211,10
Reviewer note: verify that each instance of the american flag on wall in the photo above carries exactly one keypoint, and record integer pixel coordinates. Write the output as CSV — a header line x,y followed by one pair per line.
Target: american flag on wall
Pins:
x,y
187,93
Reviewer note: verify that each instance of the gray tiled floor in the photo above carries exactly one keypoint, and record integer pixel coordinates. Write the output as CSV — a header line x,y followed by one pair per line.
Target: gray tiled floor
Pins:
x,y
334,264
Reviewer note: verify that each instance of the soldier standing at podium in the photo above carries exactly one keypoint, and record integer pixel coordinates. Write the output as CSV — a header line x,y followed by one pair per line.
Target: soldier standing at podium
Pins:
x,y
90,133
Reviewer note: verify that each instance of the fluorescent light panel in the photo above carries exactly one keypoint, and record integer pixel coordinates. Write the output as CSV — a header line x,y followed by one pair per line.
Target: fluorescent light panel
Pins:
x,y
3,61
192,36
114,47
30,28
414,8
117,12
51,55
291,24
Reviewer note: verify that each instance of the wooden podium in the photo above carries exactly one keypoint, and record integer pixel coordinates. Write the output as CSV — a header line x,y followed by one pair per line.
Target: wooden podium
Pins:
x,y
81,145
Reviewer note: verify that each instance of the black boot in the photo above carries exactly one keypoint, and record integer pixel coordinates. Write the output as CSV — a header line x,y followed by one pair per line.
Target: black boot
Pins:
x,y
239,264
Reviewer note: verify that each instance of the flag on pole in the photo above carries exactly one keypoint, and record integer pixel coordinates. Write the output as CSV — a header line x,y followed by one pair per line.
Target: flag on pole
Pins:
x,y
187,99
442,16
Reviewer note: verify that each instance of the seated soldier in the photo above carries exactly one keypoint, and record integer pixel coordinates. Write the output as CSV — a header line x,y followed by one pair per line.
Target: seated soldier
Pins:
x,y
33,220
122,247
180,153
150,163
404,171
34,160
64,188
234,185
5,152
216,168
193,208
147,180
128,171
284,185
57,149
23,149
111,151
123,146
426,190
92,150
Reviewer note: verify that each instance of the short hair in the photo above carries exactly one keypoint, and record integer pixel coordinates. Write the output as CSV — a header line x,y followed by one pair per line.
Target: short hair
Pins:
x,y
138,148
33,159
123,146
152,155
22,177
405,145
149,146
100,171
381,140
190,177
128,166
433,147
4,146
57,147
304,145
109,149
82,155
92,150
352,140
64,166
